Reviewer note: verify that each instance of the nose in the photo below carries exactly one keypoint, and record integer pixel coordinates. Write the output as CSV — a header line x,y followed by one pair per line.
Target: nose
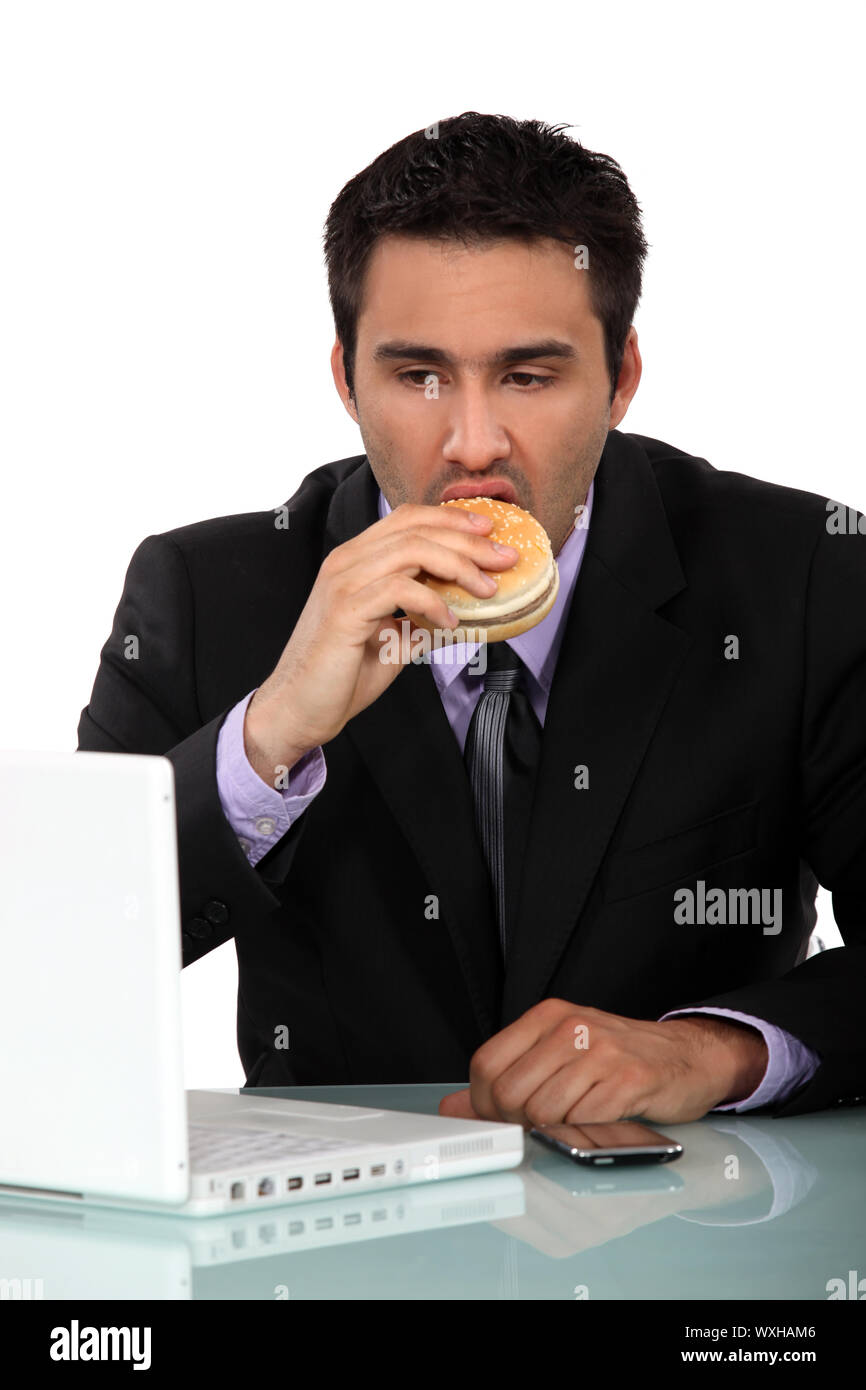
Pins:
x,y
475,437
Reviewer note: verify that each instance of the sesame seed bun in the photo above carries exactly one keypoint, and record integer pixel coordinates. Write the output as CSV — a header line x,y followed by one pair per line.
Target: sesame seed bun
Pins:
x,y
526,592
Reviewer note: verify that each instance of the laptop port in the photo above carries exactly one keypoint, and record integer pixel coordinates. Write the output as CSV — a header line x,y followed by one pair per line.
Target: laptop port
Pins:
x,y
294,1183
266,1187
377,1170
322,1178
237,1191
349,1173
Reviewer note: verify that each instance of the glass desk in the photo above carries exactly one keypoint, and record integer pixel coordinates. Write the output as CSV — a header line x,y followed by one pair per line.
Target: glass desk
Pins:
x,y
755,1209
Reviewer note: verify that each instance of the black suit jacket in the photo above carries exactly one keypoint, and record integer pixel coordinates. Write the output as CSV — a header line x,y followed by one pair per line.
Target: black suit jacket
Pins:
x,y
747,772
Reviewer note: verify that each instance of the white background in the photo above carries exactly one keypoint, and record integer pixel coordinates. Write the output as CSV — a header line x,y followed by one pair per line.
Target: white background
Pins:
x,y
166,169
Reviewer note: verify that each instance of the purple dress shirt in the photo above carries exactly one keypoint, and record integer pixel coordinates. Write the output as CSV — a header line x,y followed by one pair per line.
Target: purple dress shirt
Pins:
x,y
260,815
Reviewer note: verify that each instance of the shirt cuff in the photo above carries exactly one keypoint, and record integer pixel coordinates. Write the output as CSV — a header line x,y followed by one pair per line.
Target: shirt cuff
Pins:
x,y
258,814
790,1063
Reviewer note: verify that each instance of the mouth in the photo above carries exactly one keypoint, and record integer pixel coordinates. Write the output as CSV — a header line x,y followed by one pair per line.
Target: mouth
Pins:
x,y
491,487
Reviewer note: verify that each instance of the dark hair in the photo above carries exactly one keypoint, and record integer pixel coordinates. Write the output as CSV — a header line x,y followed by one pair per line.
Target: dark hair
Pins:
x,y
479,179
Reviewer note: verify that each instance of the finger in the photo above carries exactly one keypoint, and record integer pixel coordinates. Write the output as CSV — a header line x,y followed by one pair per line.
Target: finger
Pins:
x,y
458,1106
541,1084
470,563
405,517
558,1086
484,551
435,514
505,1049
560,1098
378,601
606,1104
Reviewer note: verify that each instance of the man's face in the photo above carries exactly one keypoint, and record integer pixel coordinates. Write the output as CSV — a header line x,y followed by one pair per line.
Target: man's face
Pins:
x,y
482,372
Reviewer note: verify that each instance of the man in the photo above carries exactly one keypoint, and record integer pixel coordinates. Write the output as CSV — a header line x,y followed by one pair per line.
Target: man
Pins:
x,y
699,690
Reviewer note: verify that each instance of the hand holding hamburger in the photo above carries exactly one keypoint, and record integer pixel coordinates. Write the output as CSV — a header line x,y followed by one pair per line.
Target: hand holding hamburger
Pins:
x,y
331,667
525,593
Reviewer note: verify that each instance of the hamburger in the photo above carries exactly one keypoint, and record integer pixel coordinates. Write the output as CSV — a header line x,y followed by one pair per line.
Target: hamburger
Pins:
x,y
526,592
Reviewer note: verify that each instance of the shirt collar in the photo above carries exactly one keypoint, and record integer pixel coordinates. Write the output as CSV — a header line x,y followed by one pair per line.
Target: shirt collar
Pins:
x,y
538,648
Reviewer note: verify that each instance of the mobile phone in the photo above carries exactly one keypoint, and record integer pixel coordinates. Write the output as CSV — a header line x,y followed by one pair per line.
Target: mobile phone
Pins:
x,y
624,1141
585,1180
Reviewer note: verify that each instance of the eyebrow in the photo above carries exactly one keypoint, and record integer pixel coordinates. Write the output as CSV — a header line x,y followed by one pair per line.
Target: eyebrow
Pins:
x,y
399,350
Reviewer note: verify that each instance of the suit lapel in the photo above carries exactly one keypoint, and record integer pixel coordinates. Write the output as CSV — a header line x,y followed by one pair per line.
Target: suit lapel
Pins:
x,y
411,753
616,666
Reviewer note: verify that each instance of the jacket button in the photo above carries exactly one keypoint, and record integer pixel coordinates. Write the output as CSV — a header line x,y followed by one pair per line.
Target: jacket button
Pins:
x,y
217,913
198,927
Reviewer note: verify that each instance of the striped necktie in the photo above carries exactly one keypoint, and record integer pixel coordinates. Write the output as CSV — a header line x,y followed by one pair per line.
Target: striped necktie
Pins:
x,y
501,754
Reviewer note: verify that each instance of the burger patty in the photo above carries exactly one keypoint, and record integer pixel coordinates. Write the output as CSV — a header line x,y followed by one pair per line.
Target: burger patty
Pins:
x,y
516,615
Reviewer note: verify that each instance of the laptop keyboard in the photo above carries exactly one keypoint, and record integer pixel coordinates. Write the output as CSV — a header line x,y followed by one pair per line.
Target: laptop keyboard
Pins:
x,y
215,1149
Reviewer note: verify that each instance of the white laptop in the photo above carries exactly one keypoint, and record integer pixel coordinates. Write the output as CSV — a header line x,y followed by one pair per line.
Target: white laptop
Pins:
x,y
91,1069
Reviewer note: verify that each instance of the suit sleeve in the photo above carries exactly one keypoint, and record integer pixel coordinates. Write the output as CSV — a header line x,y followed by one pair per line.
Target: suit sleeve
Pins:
x,y
822,1001
144,700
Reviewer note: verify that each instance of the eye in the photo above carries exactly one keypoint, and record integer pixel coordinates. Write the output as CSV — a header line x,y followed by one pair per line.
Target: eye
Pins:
x,y
404,376
531,376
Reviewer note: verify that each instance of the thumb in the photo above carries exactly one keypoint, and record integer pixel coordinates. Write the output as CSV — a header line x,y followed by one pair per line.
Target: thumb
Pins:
x,y
458,1106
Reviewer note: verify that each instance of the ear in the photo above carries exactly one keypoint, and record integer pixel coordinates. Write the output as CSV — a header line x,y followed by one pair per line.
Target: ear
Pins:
x,y
339,373
629,379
